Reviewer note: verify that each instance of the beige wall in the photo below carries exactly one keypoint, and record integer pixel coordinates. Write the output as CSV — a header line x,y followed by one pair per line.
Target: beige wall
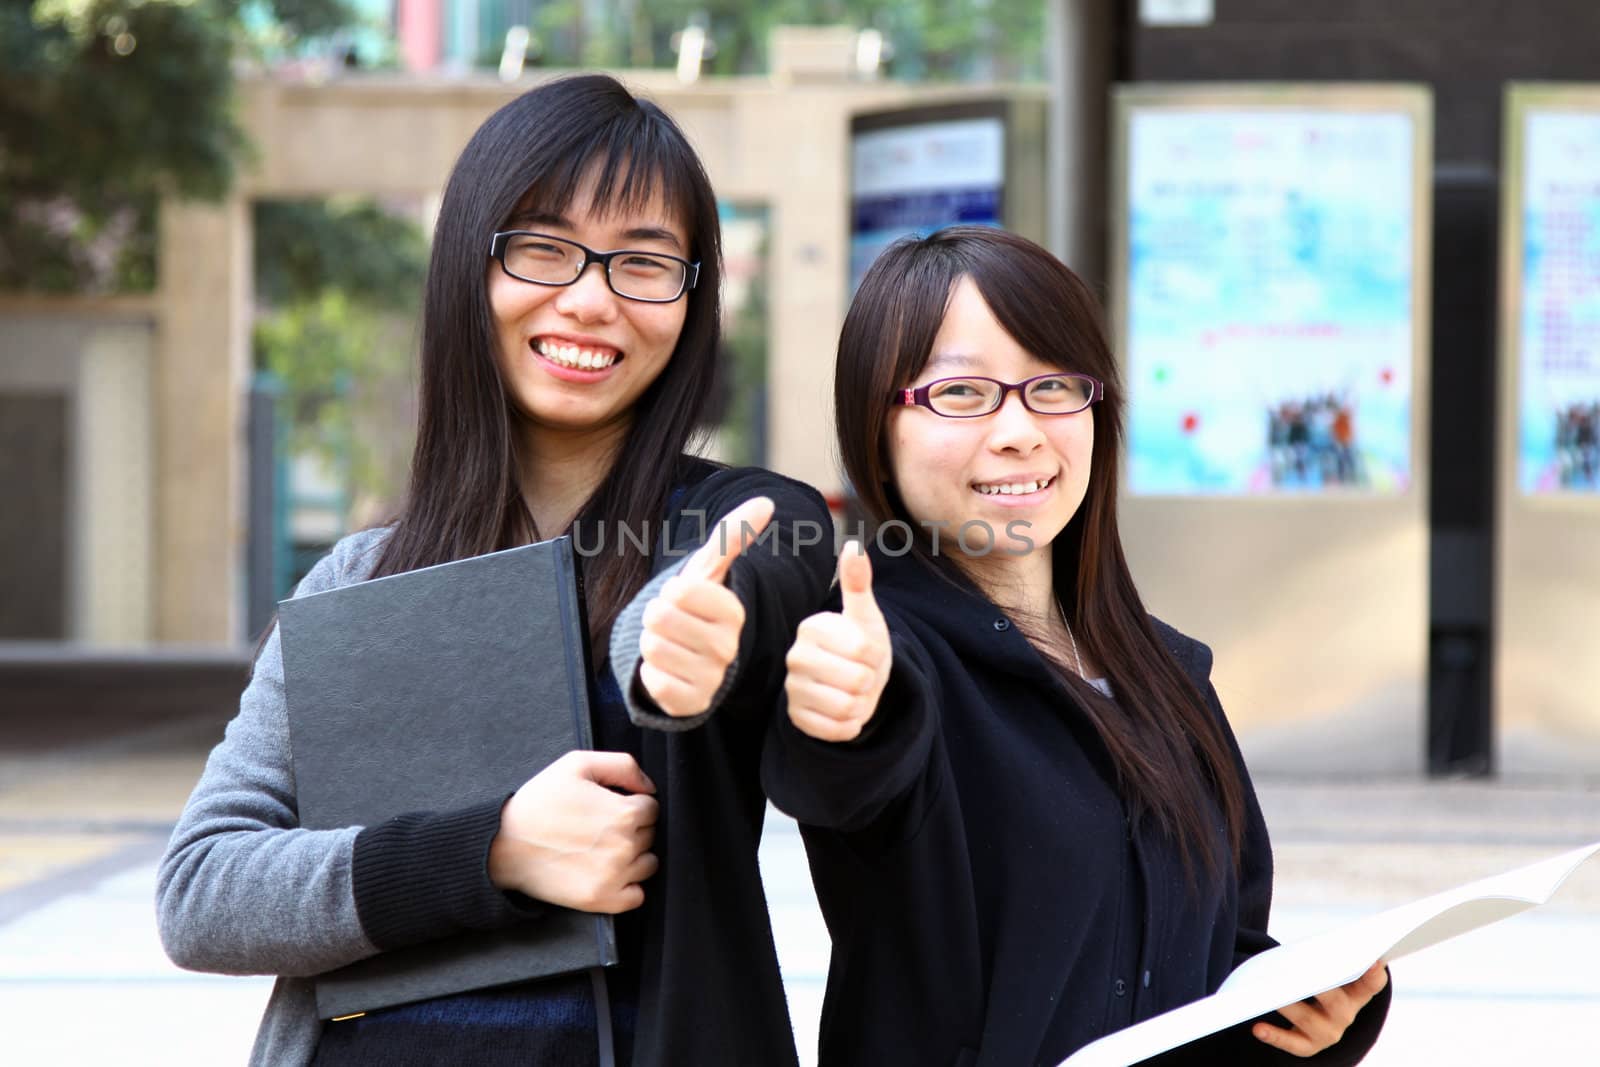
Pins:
x,y
98,354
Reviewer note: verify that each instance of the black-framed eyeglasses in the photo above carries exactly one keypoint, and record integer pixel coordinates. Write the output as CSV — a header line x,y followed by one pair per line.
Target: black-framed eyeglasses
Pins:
x,y
970,397
653,277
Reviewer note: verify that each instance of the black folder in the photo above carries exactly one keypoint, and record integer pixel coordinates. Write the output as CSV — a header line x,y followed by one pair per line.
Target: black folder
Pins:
x,y
433,690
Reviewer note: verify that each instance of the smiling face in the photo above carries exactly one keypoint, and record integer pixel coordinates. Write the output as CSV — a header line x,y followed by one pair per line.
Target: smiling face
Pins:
x,y
576,358
1008,467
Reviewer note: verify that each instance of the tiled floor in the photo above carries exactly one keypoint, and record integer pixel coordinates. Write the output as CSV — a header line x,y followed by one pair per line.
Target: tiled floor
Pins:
x,y
83,979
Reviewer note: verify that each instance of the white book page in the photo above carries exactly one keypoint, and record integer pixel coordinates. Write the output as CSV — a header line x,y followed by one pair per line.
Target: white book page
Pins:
x,y
1317,964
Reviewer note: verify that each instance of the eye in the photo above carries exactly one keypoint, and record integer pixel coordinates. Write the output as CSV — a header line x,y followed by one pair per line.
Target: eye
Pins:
x,y
642,264
534,248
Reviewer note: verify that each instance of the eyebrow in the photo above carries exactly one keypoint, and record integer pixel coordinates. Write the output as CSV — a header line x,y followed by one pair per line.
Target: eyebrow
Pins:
x,y
637,233
959,359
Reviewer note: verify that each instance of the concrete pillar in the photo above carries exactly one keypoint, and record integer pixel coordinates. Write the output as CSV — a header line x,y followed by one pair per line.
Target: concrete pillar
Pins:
x,y
112,544
202,366
1080,42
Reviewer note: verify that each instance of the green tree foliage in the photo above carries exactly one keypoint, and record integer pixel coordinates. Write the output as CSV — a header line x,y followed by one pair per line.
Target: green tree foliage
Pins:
x,y
928,39
337,284
303,247
106,106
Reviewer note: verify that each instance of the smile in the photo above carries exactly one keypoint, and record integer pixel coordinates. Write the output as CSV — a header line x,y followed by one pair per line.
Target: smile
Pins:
x,y
575,357
1022,488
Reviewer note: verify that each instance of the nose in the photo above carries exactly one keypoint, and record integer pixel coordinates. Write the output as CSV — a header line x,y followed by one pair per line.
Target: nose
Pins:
x,y
1013,428
589,299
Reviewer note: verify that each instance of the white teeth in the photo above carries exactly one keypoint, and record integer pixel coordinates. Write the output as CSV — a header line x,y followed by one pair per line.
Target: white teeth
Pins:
x,y
1012,488
573,356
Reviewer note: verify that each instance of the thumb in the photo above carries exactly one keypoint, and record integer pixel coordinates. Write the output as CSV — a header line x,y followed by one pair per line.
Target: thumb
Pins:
x,y
617,770
855,585
737,530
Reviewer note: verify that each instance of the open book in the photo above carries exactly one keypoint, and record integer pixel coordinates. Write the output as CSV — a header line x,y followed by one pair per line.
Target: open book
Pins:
x,y
1283,975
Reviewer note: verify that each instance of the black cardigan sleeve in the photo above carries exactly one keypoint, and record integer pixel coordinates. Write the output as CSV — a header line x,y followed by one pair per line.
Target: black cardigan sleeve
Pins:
x,y
780,579
885,776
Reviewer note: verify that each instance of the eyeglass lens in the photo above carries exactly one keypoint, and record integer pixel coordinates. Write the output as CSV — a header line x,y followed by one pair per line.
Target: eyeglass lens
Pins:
x,y
1056,394
553,261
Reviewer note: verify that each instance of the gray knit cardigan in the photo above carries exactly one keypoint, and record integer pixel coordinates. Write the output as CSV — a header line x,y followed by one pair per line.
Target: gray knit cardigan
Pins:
x,y
243,889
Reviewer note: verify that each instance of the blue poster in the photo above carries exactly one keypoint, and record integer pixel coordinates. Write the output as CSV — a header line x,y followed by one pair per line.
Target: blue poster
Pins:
x,y
1270,300
917,178
1559,329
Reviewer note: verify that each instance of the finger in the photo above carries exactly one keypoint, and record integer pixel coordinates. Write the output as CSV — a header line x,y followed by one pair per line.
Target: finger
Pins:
x,y
1296,1044
822,727
821,699
615,769
673,695
1317,1026
625,899
702,670
841,636
813,663
732,536
1374,980
855,586
640,868
700,599
645,811
670,623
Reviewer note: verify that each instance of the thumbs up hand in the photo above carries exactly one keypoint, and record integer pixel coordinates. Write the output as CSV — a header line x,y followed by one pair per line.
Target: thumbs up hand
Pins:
x,y
839,662
691,629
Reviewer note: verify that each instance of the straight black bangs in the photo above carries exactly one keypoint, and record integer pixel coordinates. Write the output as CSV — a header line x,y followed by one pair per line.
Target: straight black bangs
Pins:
x,y
634,158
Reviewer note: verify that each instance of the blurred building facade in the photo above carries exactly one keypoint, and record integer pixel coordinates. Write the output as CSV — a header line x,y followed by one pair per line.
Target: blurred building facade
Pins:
x,y
142,477
1352,636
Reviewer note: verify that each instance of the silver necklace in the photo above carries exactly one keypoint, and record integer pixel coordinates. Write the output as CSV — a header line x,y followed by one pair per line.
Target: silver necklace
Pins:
x,y
1062,608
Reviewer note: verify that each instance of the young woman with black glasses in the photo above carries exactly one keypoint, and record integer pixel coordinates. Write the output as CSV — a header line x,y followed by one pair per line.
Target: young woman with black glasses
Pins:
x,y
569,337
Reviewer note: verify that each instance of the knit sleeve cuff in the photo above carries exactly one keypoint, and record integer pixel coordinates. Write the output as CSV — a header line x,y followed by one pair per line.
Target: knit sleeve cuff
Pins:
x,y
425,875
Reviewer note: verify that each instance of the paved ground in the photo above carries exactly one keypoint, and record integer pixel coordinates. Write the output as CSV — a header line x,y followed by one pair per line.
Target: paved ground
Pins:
x,y
83,979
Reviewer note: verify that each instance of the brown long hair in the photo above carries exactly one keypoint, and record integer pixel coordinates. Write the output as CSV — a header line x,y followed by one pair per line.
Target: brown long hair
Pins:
x,y
465,496
1167,748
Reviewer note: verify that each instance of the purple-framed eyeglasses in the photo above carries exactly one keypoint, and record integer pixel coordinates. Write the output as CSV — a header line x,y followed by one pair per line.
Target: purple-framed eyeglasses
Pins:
x,y
971,397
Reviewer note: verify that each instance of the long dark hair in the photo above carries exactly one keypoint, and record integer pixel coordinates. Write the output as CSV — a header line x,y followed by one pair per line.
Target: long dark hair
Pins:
x,y
465,495
1167,747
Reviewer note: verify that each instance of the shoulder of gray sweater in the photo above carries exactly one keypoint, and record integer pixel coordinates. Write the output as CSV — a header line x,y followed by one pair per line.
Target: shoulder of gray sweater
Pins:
x,y
355,555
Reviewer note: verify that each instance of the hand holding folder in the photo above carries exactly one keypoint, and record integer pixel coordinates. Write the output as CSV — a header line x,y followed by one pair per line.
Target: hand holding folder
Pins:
x,y
1316,964
568,838
437,690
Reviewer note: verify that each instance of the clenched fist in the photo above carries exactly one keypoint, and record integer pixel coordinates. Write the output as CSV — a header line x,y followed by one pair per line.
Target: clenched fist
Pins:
x,y
567,837
839,662
692,627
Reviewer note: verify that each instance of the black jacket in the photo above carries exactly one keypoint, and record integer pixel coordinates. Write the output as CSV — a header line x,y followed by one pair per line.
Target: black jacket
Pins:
x,y
988,898
709,988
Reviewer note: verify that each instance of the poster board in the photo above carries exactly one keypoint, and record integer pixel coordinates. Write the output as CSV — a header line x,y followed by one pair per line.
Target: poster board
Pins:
x,y
1310,588
1553,228
1547,582
915,170
1269,257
